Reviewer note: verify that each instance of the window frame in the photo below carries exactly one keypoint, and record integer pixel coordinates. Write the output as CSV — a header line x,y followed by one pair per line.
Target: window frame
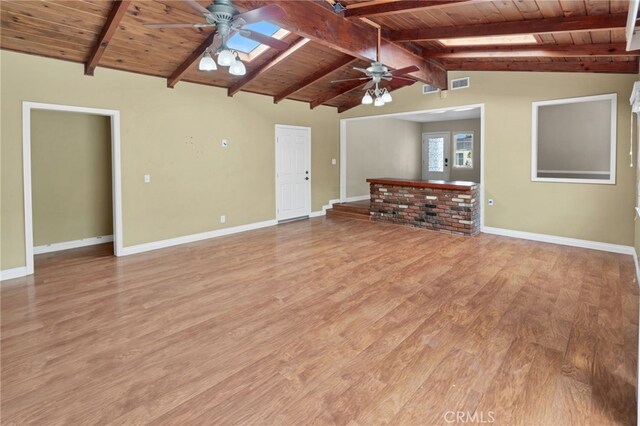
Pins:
x,y
613,98
455,150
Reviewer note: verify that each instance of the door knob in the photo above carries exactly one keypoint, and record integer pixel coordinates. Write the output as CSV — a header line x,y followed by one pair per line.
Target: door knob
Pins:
x,y
307,172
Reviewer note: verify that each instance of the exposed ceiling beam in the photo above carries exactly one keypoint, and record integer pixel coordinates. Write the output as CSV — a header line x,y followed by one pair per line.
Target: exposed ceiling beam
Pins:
x,y
625,67
315,20
531,26
394,7
116,14
235,88
176,76
343,61
337,92
540,51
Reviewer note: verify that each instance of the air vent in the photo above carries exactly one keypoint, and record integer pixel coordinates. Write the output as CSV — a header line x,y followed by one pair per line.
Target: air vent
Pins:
x,y
460,83
427,88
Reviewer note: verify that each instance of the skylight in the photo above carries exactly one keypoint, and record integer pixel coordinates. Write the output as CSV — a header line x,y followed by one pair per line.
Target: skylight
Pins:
x,y
490,40
245,45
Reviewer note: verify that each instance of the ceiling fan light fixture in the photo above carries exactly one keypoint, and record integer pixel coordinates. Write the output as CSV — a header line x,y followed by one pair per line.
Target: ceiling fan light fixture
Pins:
x,y
367,99
386,96
225,58
207,63
378,102
237,68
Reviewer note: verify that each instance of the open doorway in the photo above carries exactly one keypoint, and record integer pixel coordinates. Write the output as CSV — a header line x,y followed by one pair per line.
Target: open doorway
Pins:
x,y
71,160
442,144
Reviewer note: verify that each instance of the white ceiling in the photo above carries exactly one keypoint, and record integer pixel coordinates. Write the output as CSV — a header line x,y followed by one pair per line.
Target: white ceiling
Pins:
x,y
429,117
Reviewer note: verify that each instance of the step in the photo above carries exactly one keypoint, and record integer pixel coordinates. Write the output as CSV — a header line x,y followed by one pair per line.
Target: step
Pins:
x,y
351,209
331,213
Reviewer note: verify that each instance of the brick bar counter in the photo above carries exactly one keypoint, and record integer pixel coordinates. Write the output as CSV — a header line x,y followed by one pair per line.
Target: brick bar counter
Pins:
x,y
451,207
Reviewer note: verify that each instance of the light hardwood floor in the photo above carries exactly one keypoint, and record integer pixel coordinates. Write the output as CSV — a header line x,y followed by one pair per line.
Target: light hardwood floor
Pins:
x,y
325,321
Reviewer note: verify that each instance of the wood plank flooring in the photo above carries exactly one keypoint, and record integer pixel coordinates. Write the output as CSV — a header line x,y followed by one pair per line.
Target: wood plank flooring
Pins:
x,y
325,321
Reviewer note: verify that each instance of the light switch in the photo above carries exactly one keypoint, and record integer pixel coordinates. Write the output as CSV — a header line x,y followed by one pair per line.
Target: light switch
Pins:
x,y
333,161
147,178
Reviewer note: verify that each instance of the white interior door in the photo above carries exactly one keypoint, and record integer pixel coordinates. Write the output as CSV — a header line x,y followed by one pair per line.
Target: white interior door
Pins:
x,y
293,172
436,148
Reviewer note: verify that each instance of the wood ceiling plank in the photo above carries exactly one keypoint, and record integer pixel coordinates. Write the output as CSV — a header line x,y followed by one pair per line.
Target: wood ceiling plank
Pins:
x,y
313,78
337,92
51,12
630,67
587,50
536,26
316,22
390,8
110,27
266,67
176,75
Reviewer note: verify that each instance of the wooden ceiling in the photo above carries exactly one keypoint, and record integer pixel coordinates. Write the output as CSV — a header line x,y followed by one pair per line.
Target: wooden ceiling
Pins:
x,y
570,35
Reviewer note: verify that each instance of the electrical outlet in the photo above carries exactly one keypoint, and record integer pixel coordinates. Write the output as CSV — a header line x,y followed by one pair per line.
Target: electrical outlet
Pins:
x,y
147,178
224,143
490,201
334,161
223,219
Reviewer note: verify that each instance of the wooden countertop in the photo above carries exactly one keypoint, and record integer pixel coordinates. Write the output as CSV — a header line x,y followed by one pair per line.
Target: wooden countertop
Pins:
x,y
419,183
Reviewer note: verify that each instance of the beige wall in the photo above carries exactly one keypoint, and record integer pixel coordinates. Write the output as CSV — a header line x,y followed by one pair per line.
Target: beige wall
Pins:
x,y
70,176
590,212
453,126
173,135
381,148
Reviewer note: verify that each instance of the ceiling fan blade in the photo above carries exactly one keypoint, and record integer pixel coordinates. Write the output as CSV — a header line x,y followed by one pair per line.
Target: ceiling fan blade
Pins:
x,y
197,6
369,85
349,79
264,39
405,70
397,78
360,69
162,25
403,82
266,13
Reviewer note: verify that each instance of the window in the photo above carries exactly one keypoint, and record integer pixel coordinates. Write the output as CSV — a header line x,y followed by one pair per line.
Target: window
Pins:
x,y
574,140
463,157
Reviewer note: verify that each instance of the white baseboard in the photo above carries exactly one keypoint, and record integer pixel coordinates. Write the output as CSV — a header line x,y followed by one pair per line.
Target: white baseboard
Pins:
x,y
635,260
48,248
141,248
9,274
326,207
594,245
358,198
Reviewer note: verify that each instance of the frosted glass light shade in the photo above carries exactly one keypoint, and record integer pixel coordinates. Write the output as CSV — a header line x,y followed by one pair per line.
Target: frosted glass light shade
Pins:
x,y
378,102
367,99
226,58
237,68
386,97
207,63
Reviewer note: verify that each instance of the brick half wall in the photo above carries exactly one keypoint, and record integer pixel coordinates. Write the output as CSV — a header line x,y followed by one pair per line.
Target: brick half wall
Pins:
x,y
445,210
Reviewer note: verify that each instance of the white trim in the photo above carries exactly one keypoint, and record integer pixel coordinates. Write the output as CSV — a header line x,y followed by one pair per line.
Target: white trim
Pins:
x,y
326,207
343,146
635,261
309,201
613,98
84,242
594,245
141,248
638,211
26,172
574,172
318,213
9,274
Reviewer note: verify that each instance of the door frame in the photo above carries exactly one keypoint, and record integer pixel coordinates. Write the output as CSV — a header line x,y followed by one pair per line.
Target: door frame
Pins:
x,y
116,176
343,146
287,126
448,134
